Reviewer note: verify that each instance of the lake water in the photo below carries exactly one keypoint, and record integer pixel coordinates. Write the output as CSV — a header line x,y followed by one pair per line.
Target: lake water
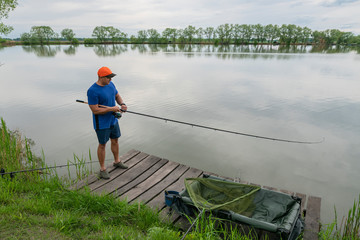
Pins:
x,y
297,94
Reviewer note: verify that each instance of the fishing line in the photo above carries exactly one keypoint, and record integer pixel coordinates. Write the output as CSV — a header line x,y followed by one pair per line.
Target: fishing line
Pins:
x,y
216,129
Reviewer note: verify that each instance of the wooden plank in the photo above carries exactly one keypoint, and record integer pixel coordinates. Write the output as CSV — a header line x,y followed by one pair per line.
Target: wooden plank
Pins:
x,y
254,184
139,179
93,177
159,201
270,188
115,172
287,192
148,166
303,201
312,219
148,183
84,182
162,185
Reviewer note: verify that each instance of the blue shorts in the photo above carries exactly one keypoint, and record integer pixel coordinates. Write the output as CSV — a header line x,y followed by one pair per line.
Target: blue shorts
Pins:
x,y
113,132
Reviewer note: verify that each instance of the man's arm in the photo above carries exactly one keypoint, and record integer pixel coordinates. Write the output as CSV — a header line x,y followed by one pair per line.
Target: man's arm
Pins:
x,y
102,110
120,101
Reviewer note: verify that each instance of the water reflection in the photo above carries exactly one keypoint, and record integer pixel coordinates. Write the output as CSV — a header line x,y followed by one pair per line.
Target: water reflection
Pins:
x,y
109,50
190,50
71,50
42,50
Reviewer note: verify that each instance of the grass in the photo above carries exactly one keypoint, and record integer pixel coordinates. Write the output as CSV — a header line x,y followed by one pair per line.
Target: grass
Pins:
x,y
349,227
49,206
39,205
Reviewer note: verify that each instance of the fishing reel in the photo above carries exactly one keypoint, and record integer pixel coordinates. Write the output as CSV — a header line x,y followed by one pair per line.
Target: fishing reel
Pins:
x,y
117,114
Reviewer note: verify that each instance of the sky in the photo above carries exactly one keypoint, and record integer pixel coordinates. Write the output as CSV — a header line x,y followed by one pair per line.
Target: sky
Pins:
x,y
130,16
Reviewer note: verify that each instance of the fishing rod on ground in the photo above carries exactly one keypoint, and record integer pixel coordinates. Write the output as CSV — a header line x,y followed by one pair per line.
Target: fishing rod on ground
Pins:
x,y
3,172
118,115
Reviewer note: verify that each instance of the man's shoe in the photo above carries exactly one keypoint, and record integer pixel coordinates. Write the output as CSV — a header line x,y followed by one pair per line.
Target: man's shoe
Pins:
x,y
104,174
120,165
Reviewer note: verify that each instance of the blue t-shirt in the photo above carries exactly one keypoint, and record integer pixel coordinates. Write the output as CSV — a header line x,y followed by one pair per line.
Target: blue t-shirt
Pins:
x,y
103,95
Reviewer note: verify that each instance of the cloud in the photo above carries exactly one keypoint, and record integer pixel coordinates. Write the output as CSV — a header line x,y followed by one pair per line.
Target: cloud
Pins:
x,y
334,3
131,16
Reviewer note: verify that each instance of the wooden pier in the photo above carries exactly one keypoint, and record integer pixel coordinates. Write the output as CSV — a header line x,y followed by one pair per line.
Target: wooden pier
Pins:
x,y
149,176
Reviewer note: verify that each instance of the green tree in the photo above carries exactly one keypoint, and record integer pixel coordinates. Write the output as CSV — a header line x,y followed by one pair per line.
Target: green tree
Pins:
x,y
318,37
166,34
259,33
170,34
287,33
42,34
199,34
209,33
123,37
224,33
306,33
5,7
189,33
237,34
100,33
272,32
26,38
133,39
345,38
181,35
335,36
68,34
247,32
142,36
297,34
112,33
153,35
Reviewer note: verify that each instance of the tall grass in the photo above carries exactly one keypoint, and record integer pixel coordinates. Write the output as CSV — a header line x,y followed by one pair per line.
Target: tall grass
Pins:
x,y
80,165
349,227
15,152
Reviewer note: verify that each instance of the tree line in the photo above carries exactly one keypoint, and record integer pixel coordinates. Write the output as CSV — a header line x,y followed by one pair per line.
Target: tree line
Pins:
x,y
286,34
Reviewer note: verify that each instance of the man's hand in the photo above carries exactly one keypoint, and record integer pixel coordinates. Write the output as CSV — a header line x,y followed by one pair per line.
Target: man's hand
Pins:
x,y
115,109
123,107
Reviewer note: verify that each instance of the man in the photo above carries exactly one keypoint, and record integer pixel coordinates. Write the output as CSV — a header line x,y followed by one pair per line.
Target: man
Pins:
x,y
103,92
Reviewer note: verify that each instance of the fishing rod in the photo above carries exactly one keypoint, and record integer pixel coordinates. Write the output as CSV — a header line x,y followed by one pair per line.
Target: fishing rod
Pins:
x,y
212,128
3,172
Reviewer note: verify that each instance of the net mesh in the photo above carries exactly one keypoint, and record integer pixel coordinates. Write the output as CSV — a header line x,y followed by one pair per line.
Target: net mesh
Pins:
x,y
214,194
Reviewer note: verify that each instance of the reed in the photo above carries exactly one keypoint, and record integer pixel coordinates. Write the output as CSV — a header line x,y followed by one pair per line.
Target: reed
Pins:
x,y
16,153
349,227
81,168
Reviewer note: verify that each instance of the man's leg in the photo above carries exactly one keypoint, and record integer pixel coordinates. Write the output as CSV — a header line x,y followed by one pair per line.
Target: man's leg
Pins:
x,y
115,149
101,156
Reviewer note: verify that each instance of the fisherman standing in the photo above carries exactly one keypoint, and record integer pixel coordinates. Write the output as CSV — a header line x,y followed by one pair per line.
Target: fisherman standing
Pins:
x,y
103,92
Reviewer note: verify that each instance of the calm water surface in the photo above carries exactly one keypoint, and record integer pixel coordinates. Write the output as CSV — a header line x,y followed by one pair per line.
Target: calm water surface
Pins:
x,y
295,94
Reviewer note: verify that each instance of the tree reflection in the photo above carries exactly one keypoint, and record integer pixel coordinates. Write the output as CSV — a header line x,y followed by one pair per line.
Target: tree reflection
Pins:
x,y
109,50
71,50
191,50
334,49
42,50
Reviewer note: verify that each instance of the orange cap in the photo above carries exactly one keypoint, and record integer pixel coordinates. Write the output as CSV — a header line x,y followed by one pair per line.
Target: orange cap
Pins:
x,y
105,72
